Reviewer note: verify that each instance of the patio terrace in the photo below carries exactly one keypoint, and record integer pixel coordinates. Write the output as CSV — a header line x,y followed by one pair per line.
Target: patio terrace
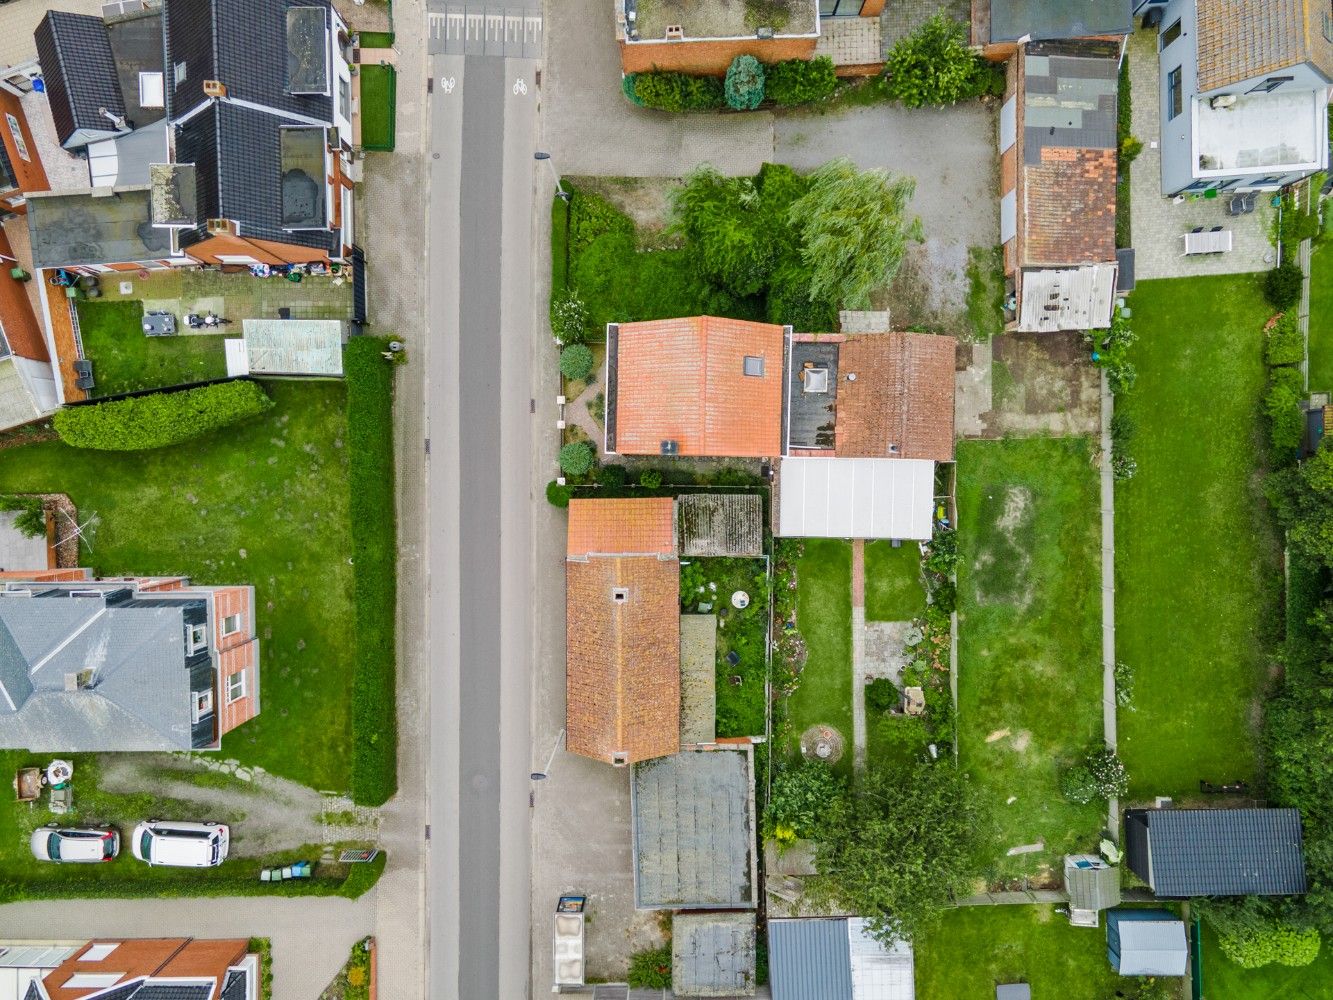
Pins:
x,y
232,295
1290,124
720,18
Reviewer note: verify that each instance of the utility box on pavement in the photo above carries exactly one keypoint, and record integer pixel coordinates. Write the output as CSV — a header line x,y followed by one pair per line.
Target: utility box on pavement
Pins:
x,y
568,945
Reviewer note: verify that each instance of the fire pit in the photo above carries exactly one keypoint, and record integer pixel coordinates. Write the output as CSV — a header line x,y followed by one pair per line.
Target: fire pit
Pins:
x,y
822,743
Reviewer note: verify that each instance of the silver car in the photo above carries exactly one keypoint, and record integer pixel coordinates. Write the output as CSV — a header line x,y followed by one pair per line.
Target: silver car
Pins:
x,y
83,844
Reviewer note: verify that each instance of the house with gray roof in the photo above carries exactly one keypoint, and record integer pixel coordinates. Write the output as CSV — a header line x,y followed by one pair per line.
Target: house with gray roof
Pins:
x,y
1244,92
1146,943
91,665
1216,852
693,829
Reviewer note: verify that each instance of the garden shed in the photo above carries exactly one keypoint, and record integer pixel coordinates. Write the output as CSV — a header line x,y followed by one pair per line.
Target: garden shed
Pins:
x,y
718,524
1146,943
1092,886
288,347
713,954
820,958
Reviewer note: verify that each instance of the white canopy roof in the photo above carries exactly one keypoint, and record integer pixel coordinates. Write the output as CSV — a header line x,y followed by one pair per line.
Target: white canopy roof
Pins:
x,y
856,498
287,347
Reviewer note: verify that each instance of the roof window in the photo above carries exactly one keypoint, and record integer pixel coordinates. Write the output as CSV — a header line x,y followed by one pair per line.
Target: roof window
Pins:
x,y
754,366
620,594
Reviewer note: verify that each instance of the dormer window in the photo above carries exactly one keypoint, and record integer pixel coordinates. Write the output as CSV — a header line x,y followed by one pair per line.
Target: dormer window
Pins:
x,y
196,638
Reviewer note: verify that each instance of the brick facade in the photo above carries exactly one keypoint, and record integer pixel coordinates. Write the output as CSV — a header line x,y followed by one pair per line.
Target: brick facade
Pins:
x,y
29,174
238,654
21,328
709,57
167,958
265,251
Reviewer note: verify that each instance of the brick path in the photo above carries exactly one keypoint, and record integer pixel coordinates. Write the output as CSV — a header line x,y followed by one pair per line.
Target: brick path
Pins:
x,y
849,41
902,17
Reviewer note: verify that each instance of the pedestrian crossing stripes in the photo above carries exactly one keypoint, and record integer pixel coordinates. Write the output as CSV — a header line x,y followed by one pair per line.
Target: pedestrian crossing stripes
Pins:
x,y
479,30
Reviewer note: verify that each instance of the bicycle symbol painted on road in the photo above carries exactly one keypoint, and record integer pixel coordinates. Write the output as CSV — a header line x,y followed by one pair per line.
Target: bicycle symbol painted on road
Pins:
x,y
520,87
448,83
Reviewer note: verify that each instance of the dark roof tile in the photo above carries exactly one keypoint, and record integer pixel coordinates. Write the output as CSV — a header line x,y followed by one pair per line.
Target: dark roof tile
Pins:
x,y
1224,852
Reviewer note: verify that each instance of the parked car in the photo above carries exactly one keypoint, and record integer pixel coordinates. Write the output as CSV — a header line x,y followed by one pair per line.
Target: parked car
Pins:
x,y
181,844
54,843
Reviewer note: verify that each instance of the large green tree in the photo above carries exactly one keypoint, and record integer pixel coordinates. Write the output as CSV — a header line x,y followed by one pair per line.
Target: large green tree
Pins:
x,y
900,846
720,218
854,230
1302,497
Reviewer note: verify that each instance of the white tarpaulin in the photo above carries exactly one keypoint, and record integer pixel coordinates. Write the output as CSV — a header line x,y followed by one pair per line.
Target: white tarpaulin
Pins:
x,y
856,498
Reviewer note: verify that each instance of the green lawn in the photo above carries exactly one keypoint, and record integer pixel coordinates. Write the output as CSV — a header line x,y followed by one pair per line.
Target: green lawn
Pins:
x,y
23,878
975,948
824,618
264,502
125,360
1029,630
893,582
1321,320
1222,980
740,707
379,87
1197,562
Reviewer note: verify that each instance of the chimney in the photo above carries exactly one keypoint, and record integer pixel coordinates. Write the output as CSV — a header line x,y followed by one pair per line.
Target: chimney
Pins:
x,y
214,88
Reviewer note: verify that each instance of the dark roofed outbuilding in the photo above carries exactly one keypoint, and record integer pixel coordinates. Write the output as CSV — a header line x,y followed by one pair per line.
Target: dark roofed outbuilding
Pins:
x,y
1216,852
1011,20
79,74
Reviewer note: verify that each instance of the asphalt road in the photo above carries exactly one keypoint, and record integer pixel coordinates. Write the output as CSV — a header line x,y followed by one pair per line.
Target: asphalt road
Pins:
x,y
479,357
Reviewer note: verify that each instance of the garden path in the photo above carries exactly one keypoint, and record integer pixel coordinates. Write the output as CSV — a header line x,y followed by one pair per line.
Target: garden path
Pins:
x,y
1303,313
1108,595
858,654
577,415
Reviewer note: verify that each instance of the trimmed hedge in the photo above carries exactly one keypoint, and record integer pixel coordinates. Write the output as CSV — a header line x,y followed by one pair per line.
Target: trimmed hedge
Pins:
x,y
678,91
1282,285
576,362
160,419
800,81
1285,345
370,479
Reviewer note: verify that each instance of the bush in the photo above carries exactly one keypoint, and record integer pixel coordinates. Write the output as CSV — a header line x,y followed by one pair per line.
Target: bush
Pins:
x,y
678,91
576,362
650,969
576,458
557,495
612,476
1100,775
1286,423
627,83
934,66
1078,785
160,419
569,319
590,217
31,520
1130,148
1123,467
881,696
370,479
650,479
744,85
1282,285
800,81
802,795
1280,944
1285,345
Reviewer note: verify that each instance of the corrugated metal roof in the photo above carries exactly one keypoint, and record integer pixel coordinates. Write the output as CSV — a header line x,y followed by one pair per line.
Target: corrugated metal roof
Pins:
x,y
1074,298
1146,943
716,524
1096,886
712,954
698,678
1225,852
294,346
856,498
808,959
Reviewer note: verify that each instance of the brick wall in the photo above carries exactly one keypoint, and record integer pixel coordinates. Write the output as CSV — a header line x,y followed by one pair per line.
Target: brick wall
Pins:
x,y
264,251
238,653
47,575
29,173
708,57
16,315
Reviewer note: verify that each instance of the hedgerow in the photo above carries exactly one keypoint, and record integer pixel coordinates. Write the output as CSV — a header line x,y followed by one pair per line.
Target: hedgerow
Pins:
x,y
160,419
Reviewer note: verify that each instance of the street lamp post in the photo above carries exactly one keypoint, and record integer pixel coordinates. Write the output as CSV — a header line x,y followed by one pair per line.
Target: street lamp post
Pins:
x,y
560,192
542,774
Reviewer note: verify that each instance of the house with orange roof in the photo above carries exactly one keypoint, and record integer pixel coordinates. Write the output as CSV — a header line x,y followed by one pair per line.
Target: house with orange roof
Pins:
x,y
623,630
699,386
134,968
1057,184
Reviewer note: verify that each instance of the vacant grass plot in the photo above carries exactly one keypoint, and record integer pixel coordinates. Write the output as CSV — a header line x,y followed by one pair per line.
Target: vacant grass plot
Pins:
x,y
1223,980
1321,320
824,617
1197,562
125,360
263,502
976,948
1029,657
379,85
893,582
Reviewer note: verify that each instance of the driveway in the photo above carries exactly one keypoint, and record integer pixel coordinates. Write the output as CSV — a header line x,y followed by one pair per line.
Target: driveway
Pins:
x,y
311,937
952,154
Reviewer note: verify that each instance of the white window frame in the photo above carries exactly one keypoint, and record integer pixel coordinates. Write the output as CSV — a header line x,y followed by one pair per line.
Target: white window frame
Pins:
x,y
234,682
231,624
16,131
197,638
98,951
201,704
179,72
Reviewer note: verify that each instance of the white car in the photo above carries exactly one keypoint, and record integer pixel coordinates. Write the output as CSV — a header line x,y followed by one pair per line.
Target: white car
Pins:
x,y
180,843
53,843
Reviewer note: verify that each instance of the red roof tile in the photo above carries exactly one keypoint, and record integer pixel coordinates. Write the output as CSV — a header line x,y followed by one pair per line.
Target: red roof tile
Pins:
x,y
644,526
1069,207
901,403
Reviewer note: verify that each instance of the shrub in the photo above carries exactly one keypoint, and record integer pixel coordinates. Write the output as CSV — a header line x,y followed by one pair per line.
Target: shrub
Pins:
x,y
650,969
1123,467
802,795
557,494
576,458
1124,685
744,85
934,66
1101,775
590,217
627,88
1286,425
612,475
881,695
1130,148
1282,285
1078,785
800,81
31,520
569,319
370,479
1280,944
650,479
576,362
678,91
159,419
1285,345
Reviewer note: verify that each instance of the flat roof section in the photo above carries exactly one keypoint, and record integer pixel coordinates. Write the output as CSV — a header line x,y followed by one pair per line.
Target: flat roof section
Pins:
x,y
294,346
701,19
74,229
307,50
1279,131
856,498
812,395
1010,20
303,202
174,195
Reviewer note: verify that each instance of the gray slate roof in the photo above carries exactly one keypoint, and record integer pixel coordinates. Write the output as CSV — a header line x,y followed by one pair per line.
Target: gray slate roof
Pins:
x,y
1044,19
809,959
1092,888
1222,852
140,694
712,954
693,831
79,72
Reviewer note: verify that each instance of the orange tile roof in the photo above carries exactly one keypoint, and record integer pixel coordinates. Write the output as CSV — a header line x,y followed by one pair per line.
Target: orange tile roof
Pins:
x,y
903,395
683,380
1069,207
645,526
1237,42
622,677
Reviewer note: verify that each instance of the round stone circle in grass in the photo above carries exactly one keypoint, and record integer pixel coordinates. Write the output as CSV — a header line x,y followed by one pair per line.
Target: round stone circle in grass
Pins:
x,y
822,743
